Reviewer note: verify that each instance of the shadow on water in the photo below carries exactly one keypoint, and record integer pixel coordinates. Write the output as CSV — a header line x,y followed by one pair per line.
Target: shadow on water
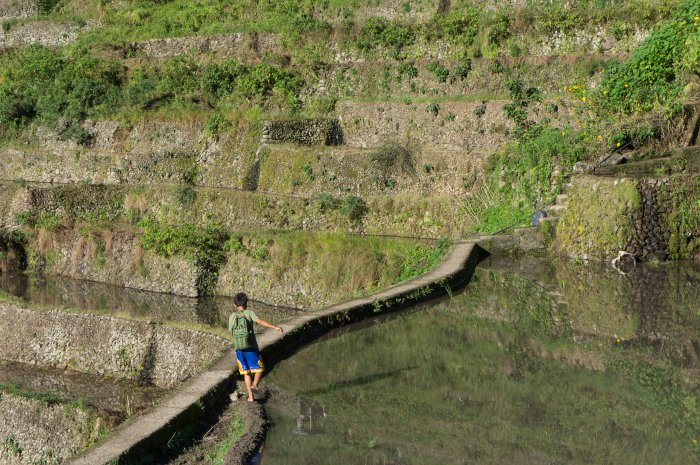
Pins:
x,y
358,381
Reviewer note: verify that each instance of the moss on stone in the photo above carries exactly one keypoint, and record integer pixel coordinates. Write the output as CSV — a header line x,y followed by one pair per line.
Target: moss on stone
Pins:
x,y
597,221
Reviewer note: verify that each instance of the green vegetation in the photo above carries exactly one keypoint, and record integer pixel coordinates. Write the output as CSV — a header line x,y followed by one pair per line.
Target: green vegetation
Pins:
x,y
522,177
46,398
337,266
38,84
597,221
684,218
202,244
652,75
235,430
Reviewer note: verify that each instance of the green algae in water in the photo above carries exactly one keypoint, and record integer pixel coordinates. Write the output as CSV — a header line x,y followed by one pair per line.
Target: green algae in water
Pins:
x,y
489,377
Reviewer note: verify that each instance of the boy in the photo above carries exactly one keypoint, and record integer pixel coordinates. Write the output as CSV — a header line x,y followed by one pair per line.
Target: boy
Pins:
x,y
249,361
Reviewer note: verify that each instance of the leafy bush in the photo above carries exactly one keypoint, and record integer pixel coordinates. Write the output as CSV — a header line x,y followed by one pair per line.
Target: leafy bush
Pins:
x,y
215,123
326,202
463,68
202,244
407,69
78,134
46,6
186,195
439,70
180,76
38,83
219,79
354,208
650,77
459,27
379,31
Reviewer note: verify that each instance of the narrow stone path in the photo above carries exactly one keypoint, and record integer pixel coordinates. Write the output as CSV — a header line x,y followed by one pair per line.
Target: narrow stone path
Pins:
x,y
152,430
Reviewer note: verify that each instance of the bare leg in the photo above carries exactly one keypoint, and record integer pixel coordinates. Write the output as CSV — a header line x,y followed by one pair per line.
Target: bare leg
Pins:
x,y
256,380
248,382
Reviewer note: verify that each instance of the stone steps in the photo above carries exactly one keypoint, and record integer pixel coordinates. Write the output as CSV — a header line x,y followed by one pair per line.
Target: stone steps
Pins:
x,y
555,210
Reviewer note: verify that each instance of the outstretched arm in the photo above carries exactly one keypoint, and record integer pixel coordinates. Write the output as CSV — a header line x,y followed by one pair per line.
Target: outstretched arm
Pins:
x,y
266,324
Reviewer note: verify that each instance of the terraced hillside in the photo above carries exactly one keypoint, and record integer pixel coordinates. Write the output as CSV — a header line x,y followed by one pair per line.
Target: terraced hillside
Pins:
x,y
215,121
310,152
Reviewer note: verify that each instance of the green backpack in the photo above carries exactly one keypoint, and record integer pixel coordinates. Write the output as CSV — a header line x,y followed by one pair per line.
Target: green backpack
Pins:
x,y
241,333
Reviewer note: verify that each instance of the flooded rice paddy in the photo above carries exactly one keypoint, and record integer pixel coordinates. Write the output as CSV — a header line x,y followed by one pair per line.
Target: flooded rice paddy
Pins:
x,y
534,363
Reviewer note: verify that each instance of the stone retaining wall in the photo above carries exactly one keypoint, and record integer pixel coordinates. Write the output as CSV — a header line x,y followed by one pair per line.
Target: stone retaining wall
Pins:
x,y
46,33
12,9
607,215
113,257
36,433
237,45
304,132
650,221
148,353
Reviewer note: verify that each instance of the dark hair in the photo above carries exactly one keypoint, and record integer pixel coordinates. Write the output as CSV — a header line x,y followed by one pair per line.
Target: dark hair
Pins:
x,y
240,300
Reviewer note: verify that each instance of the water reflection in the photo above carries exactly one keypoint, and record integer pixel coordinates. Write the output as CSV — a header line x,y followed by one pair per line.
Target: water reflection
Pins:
x,y
131,303
536,362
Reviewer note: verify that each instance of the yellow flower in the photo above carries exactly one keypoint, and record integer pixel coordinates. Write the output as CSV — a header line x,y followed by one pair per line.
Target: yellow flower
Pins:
x,y
617,339
626,85
605,92
600,137
617,145
563,133
697,18
583,99
695,440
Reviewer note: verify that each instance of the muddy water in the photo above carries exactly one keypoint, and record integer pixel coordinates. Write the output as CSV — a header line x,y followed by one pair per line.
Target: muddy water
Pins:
x,y
112,399
535,363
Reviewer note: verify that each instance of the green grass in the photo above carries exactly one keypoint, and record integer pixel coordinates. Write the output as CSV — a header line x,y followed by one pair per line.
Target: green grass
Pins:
x,y
235,431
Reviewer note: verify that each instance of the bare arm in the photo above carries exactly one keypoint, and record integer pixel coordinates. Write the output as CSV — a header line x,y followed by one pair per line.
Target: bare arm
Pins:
x,y
266,324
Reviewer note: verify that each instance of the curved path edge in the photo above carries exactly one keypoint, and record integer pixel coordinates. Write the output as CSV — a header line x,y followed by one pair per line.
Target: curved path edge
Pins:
x,y
132,441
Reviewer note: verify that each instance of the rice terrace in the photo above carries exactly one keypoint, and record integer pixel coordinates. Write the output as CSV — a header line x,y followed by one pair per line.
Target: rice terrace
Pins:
x,y
372,232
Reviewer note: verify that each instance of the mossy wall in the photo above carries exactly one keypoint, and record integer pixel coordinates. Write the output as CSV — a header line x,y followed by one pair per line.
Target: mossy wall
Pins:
x,y
598,218
649,218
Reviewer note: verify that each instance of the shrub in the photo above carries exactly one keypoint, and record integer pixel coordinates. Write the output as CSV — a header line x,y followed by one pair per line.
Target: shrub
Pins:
x,y
186,195
650,76
202,244
392,157
180,76
78,134
379,31
219,79
46,6
434,108
439,70
463,69
215,123
354,208
326,202
407,69
455,27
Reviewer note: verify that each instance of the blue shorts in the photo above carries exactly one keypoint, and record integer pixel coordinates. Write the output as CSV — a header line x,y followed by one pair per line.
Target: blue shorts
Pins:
x,y
249,361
